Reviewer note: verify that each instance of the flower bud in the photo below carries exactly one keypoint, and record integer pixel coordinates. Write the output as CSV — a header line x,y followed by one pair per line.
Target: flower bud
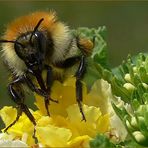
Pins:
x,y
139,137
127,77
129,86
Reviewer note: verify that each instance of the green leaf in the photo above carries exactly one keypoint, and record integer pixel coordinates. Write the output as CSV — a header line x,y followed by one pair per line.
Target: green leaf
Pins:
x,y
91,74
101,141
143,74
132,144
119,90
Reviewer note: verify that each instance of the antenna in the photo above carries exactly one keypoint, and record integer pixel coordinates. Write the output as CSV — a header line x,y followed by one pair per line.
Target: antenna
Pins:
x,y
35,28
6,41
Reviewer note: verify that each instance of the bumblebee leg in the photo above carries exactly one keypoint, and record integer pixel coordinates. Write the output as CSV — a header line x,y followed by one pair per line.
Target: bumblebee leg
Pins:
x,y
18,98
33,87
79,75
49,82
25,109
38,91
19,113
46,101
43,92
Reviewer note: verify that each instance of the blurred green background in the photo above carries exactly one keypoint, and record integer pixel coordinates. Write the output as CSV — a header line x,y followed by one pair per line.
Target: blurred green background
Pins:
x,y
126,22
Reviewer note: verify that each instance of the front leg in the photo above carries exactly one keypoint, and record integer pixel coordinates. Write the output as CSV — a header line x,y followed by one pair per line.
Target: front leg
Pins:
x,y
18,97
49,82
37,90
45,90
33,87
79,75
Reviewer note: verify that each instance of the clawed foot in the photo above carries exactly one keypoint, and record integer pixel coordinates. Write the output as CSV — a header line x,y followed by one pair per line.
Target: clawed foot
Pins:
x,y
83,117
56,101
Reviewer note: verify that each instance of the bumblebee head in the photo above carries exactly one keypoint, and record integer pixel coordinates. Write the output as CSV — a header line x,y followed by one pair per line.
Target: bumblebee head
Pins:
x,y
38,39
31,47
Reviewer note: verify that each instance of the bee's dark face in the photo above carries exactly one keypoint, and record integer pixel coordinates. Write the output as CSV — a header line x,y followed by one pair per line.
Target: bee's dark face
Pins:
x,y
31,48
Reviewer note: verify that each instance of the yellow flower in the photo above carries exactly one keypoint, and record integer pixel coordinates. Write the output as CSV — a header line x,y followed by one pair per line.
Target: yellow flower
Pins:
x,y
64,128
20,128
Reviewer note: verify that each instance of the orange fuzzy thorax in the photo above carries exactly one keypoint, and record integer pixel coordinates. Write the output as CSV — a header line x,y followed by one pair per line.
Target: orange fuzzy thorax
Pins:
x,y
28,22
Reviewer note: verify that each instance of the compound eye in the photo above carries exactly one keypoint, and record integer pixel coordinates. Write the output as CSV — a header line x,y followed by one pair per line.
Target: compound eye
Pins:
x,y
18,49
34,39
39,41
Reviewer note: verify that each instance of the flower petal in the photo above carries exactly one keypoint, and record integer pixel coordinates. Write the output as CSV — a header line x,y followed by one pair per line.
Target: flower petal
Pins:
x,y
53,136
103,123
99,95
8,114
91,113
80,142
89,127
63,93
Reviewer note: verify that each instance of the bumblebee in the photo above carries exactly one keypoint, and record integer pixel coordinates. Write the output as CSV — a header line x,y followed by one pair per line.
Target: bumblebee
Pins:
x,y
40,42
